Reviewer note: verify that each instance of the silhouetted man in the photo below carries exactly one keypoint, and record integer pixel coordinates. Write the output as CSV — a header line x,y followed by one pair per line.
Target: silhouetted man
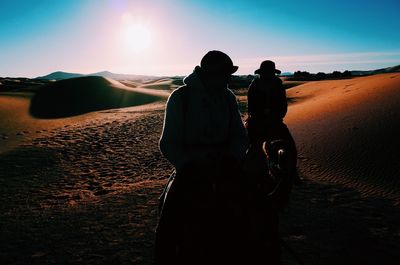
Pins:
x,y
204,138
267,106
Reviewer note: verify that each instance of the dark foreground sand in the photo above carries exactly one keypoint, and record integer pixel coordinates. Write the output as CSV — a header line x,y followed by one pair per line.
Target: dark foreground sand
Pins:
x,y
87,193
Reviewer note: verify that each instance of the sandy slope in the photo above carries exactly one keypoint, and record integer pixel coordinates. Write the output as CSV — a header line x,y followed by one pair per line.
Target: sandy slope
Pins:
x,y
141,89
18,126
349,131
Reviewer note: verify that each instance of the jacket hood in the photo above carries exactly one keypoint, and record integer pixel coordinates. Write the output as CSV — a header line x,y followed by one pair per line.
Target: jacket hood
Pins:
x,y
193,80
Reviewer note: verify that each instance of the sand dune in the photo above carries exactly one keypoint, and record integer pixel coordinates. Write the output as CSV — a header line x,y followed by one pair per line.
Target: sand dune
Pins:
x,y
348,131
163,84
130,83
140,89
85,94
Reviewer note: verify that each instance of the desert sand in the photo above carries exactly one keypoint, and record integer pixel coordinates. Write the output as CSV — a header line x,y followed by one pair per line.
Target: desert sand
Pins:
x,y
18,126
85,192
347,134
350,129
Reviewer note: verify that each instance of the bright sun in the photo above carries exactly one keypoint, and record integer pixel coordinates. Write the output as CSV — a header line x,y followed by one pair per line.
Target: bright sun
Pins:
x,y
137,35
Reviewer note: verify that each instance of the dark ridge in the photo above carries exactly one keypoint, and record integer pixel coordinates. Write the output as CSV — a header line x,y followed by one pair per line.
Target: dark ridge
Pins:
x,y
81,95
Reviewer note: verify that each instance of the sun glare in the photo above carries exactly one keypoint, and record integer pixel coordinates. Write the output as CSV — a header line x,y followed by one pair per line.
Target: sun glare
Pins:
x,y
137,35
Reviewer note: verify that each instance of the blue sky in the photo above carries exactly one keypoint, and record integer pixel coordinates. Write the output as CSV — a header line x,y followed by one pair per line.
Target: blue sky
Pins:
x,y
170,37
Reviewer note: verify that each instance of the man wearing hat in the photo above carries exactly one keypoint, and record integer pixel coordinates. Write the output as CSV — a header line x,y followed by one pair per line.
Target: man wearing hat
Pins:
x,y
206,121
267,106
204,139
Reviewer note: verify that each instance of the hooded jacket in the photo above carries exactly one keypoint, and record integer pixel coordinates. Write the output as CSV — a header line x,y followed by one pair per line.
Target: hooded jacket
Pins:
x,y
211,124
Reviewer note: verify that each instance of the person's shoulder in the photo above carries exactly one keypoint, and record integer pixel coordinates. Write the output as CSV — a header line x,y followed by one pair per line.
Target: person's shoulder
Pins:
x,y
231,95
255,81
278,80
178,91
175,96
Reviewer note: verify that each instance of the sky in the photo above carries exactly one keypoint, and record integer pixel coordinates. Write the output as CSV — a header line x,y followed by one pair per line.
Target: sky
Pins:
x,y
169,37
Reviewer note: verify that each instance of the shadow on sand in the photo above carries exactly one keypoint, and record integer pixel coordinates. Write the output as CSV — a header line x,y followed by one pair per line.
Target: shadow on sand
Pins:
x,y
331,224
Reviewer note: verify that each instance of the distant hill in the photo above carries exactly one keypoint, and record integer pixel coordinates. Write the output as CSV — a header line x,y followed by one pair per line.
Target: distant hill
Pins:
x,y
59,75
392,69
286,74
64,75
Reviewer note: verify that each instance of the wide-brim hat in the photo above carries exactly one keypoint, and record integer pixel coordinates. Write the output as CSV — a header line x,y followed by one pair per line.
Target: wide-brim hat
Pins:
x,y
267,67
217,62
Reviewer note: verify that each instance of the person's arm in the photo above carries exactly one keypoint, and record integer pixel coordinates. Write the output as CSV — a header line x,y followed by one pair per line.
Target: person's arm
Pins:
x,y
238,141
171,141
251,98
281,100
